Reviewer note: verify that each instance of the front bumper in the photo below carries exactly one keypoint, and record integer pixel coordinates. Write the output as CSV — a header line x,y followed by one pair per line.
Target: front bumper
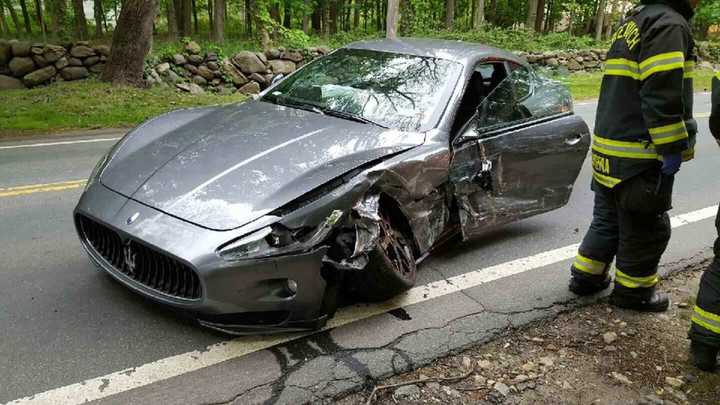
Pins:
x,y
237,297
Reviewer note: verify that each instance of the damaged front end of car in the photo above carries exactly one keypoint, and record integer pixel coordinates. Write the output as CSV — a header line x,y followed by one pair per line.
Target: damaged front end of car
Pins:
x,y
343,228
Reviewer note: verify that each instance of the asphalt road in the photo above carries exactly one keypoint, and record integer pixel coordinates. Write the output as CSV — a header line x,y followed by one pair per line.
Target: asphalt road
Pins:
x,y
71,333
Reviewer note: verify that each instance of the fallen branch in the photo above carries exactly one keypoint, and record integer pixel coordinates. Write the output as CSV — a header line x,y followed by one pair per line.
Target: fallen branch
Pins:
x,y
419,381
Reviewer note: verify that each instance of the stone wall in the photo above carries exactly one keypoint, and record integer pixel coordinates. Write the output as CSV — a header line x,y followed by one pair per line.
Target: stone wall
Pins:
x,y
26,64
573,61
246,72
592,59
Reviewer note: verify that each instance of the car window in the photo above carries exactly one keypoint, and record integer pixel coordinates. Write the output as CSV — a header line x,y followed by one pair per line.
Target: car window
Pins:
x,y
522,96
485,77
394,90
523,82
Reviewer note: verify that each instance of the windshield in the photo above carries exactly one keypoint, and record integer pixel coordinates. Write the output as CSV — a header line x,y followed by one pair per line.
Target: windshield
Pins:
x,y
386,89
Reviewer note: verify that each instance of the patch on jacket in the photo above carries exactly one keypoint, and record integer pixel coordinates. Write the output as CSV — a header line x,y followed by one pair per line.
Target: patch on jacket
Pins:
x,y
628,32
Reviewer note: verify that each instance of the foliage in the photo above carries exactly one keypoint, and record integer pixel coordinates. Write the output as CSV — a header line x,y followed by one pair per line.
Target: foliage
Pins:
x,y
707,14
517,39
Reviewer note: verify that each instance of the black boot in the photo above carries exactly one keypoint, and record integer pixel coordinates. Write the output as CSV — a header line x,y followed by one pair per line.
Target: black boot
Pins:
x,y
703,356
585,287
651,301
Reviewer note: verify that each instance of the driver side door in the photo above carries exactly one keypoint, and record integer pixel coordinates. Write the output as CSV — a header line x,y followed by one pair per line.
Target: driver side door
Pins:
x,y
519,155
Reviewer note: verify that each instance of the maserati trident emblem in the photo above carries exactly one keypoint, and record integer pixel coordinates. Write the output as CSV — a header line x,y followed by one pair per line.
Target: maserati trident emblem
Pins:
x,y
129,257
132,218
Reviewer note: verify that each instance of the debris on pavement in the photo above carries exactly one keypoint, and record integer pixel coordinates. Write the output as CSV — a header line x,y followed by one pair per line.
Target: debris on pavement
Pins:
x,y
591,355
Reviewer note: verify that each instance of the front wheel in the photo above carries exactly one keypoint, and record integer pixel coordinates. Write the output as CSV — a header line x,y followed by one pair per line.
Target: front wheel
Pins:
x,y
391,268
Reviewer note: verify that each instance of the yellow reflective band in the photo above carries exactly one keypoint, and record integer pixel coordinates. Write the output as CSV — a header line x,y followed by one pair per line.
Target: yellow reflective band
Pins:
x,y
635,282
689,70
619,72
661,63
622,61
589,266
607,181
622,67
650,154
662,57
717,75
622,144
624,149
706,319
668,133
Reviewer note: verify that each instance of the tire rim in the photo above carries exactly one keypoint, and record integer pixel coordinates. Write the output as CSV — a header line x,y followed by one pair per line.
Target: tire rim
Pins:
x,y
396,249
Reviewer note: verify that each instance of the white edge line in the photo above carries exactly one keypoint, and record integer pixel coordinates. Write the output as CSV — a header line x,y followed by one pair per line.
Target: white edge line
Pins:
x,y
39,145
163,369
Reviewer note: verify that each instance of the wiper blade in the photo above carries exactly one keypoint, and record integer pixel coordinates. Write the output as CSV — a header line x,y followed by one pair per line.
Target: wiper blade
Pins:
x,y
284,101
350,116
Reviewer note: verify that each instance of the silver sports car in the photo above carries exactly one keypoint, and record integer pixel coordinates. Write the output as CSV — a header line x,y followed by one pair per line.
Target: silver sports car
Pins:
x,y
334,182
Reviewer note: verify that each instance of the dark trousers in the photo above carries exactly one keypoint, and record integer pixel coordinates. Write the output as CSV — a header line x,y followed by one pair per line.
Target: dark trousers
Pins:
x,y
634,238
705,325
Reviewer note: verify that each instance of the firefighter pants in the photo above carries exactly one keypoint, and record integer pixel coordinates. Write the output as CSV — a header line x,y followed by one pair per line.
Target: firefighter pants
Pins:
x,y
705,326
634,238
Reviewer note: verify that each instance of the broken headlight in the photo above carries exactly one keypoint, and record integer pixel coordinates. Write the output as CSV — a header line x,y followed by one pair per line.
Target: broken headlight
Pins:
x,y
276,240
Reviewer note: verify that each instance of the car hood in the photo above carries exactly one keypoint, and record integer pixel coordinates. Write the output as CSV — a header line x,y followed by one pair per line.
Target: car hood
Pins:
x,y
224,167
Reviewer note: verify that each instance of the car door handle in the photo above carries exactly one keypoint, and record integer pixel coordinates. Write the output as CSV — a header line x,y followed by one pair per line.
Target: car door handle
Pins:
x,y
573,140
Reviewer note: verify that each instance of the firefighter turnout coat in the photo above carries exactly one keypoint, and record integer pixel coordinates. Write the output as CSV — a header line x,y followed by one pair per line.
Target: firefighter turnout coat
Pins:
x,y
645,105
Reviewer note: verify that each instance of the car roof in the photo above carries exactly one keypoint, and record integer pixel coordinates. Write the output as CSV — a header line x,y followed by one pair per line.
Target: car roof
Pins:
x,y
466,53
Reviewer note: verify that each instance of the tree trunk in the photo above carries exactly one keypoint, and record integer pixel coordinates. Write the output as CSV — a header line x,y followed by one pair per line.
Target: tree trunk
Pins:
x,y
287,19
257,8
196,26
316,19
26,17
479,14
248,18
599,19
333,16
131,42
211,18
532,14
327,5
449,14
172,21
98,13
608,19
540,16
40,19
4,28
392,19
306,23
218,31
185,18
81,31
357,6
378,13
13,15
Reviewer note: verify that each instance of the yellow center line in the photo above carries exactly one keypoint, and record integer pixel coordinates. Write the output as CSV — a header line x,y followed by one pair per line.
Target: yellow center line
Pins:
x,y
41,188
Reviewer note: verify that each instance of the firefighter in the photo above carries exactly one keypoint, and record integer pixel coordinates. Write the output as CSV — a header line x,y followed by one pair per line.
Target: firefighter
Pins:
x,y
644,131
705,325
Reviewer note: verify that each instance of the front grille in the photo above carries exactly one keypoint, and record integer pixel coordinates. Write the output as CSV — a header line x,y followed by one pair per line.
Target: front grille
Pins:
x,y
141,263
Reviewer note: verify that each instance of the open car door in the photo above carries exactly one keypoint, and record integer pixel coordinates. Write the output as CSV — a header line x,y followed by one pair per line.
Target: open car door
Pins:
x,y
519,155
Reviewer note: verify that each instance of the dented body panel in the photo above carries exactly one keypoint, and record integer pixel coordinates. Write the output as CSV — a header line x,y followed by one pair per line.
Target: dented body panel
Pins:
x,y
256,199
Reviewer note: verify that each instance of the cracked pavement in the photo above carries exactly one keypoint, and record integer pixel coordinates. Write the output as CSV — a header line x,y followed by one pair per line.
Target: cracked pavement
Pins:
x,y
63,322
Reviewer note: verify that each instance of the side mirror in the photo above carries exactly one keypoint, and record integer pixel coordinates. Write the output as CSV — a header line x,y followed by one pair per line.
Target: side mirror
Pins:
x,y
277,79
